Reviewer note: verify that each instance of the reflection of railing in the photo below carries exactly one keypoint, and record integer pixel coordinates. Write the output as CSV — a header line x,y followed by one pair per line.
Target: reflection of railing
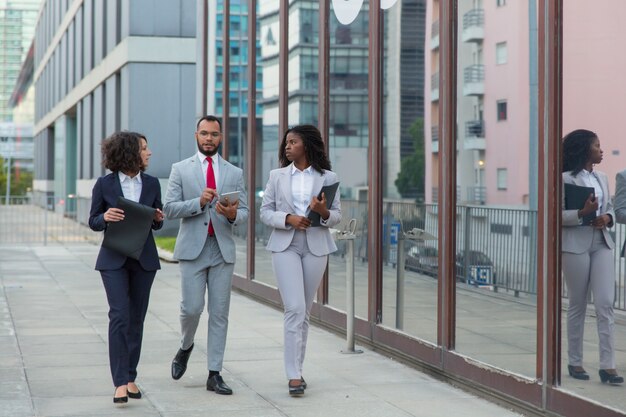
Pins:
x,y
475,17
474,74
434,31
434,133
475,128
497,240
434,81
477,195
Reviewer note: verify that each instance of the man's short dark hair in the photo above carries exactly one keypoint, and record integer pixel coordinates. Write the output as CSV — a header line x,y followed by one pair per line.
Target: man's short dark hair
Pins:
x,y
209,118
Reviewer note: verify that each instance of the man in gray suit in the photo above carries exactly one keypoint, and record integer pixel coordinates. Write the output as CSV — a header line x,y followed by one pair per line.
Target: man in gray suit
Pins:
x,y
620,200
205,247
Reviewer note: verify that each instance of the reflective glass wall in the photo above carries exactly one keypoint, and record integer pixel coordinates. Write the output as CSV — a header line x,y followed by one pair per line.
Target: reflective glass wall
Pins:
x,y
593,85
268,135
410,264
497,133
348,149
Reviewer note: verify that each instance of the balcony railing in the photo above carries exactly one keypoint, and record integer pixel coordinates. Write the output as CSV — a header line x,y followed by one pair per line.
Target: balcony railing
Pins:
x,y
434,87
474,18
434,35
474,77
473,26
475,129
474,74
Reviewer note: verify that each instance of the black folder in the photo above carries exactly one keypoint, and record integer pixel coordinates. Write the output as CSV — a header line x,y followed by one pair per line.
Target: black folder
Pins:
x,y
329,191
129,236
575,197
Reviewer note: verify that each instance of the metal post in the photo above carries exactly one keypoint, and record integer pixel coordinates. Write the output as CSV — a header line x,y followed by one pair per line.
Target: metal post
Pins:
x,y
7,196
400,282
45,221
349,235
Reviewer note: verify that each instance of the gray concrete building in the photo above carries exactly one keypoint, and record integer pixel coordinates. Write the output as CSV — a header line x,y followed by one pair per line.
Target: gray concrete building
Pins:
x,y
102,66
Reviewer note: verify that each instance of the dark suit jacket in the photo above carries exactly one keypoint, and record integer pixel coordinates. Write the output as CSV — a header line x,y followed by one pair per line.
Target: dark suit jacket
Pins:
x,y
104,195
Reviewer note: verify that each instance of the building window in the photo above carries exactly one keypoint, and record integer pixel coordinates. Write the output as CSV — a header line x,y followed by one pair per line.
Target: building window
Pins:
x,y
502,111
501,53
502,178
500,3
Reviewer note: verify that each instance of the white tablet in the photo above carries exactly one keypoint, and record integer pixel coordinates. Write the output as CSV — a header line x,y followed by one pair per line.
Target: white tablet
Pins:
x,y
232,197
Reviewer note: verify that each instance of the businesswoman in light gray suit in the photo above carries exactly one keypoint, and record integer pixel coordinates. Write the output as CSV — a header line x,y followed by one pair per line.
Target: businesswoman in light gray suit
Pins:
x,y
587,256
299,251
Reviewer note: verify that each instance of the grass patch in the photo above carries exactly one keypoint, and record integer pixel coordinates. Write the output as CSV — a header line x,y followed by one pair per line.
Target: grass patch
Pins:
x,y
165,242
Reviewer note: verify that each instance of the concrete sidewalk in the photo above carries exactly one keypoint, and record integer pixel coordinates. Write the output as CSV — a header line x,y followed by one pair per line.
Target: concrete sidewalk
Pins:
x,y
54,362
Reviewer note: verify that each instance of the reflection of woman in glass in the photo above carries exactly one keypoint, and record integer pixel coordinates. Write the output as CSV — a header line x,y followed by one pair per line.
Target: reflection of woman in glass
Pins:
x,y
588,255
127,281
299,251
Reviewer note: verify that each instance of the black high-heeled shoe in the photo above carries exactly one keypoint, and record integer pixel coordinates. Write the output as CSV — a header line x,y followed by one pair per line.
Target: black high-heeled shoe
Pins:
x,y
296,390
134,395
605,377
582,375
120,400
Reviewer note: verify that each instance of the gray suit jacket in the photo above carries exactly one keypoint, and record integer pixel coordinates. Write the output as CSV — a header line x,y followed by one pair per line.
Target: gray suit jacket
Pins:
x,y
278,202
577,238
620,200
182,201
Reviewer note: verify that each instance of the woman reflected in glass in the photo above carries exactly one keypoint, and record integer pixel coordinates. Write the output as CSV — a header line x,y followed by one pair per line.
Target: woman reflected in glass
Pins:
x,y
587,255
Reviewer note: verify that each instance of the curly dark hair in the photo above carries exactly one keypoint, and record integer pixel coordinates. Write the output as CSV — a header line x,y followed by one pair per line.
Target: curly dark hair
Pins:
x,y
577,150
122,152
313,147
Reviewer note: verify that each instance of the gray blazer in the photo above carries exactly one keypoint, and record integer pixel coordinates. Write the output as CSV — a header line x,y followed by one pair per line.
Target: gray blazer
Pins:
x,y
182,201
576,238
278,202
620,200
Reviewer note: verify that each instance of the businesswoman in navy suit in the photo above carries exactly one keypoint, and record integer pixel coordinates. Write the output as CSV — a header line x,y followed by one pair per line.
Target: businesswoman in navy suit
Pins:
x,y
587,256
127,282
299,251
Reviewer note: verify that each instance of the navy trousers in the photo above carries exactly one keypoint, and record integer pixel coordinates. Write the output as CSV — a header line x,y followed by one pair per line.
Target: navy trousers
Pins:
x,y
128,294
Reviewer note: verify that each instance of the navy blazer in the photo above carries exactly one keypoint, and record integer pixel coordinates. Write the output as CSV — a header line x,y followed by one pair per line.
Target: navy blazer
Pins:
x,y
104,195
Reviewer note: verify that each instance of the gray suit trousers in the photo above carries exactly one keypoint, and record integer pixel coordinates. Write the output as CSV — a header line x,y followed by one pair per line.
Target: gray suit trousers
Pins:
x,y
593,270
208,273
298,273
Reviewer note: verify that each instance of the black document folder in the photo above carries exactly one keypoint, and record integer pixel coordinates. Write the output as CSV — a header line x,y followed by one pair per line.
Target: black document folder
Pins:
x,y
329,191
575,197
128,236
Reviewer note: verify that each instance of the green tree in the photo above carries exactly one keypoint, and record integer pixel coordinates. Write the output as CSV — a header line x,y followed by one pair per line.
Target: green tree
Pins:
x,y
19,183
410,181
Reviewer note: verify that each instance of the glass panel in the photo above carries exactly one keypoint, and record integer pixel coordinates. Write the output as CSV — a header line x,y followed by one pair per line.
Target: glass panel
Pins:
x,y
238,113
268,136
410,276
303,62
497,111
594,296
348,142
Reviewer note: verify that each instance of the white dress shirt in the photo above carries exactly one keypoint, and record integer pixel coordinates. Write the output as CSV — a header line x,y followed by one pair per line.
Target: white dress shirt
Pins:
x,y
302,188
590,180
131,186
205,165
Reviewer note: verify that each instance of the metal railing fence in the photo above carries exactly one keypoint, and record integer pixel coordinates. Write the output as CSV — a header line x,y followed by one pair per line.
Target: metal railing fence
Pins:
x,y
44,219
500,240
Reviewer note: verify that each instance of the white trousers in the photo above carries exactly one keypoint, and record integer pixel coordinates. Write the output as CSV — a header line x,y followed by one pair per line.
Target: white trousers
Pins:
x,y
298,273
593,270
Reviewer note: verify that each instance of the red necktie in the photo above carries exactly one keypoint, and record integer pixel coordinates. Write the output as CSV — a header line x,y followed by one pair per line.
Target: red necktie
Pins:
x,y
210,183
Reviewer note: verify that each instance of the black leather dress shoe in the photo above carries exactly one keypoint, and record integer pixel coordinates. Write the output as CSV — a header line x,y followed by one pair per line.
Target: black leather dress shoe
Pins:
x,y
120,400
577,374
610,378
216,383
179,364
